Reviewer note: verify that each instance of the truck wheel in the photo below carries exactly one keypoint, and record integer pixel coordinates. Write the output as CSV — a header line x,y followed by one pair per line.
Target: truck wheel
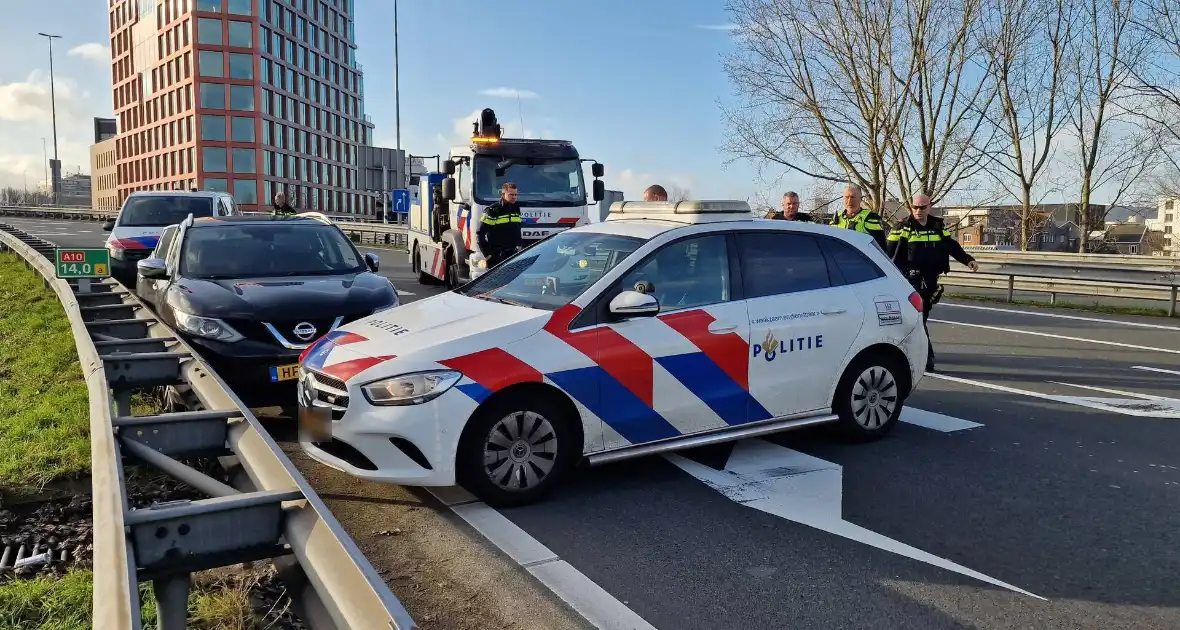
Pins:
x,y
452,272
869,398
423,277
516,451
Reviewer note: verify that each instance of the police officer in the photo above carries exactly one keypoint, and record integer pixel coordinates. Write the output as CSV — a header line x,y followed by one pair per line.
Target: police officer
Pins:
x,y
922,247
790,210
499,229
854,218
281,208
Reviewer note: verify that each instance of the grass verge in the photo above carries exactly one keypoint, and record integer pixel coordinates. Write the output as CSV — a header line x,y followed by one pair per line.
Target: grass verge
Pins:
x,y
45,437
45,431
1093,308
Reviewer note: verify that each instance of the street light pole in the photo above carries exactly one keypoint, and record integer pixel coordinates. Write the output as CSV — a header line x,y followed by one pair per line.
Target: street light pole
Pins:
x,y
45,157
52,106
397,103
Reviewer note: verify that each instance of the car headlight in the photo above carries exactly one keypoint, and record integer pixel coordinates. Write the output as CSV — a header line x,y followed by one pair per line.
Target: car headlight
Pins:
x,y
410,389
207,327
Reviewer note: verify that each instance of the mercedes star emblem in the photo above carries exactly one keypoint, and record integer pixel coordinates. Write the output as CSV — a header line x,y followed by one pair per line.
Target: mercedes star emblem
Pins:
x,y
304,330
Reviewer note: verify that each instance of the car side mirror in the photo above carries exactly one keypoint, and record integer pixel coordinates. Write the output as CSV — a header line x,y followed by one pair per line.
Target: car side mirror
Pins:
x,y
108,225
372,261
634,304
153,268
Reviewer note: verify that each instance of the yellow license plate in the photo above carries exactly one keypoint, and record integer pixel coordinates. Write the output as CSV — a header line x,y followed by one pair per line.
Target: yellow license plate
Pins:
x,y
284,373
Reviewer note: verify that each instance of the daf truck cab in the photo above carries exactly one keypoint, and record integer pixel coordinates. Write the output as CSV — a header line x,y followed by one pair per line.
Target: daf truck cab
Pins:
x,y
446,207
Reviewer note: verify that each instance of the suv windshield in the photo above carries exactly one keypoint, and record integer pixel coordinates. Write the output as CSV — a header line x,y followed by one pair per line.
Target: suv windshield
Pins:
x,y
553,272
266,250
160,210
541,182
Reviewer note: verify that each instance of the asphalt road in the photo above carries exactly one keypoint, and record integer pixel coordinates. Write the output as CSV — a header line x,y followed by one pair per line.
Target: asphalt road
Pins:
x,y
1034,485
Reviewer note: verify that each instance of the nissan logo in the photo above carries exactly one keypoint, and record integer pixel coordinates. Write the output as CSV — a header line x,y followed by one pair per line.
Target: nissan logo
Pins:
x,y
304,330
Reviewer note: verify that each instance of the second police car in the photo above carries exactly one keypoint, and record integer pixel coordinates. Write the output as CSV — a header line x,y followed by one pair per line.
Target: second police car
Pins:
x,y
668,325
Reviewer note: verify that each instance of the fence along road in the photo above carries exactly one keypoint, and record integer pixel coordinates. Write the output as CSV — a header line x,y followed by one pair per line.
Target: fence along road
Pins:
x,y
270,512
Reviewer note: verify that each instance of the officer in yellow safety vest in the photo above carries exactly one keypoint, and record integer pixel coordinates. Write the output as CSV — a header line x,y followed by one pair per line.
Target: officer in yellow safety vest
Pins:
x,y
499,230
922,247
854,218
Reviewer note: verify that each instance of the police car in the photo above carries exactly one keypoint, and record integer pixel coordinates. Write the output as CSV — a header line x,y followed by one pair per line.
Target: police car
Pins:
x,y
669,325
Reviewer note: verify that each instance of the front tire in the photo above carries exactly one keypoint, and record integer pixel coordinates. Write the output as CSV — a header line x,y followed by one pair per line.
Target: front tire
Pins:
x,y
516,451
423,277
869,398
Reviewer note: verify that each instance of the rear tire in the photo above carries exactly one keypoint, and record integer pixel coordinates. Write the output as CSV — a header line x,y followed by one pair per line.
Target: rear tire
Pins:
x,y
869,398
516,451
423,277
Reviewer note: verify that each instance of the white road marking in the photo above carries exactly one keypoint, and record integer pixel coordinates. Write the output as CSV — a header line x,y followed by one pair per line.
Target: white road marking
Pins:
x,y
401,292
1067,337
1060,316
1154,369
1127,407
936,421
590,600
807,490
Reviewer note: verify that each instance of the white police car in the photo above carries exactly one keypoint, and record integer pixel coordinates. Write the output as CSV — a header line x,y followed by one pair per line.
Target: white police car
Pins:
x,y
669,325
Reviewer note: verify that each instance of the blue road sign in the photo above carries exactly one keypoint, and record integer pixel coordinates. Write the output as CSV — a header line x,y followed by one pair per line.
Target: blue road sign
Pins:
x,y
401,200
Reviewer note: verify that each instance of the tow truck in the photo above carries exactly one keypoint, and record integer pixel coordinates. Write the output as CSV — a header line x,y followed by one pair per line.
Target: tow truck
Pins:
x,y
446,207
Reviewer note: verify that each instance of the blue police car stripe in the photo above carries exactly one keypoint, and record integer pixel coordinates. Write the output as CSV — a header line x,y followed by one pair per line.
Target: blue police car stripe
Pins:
x,y
620,409
708,382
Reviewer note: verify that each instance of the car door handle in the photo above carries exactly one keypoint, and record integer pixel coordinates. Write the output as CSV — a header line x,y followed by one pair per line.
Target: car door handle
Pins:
x,y
718,328
836,311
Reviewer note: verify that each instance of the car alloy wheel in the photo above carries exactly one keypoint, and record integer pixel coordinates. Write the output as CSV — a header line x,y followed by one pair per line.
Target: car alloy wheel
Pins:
x,y
520,451
874,397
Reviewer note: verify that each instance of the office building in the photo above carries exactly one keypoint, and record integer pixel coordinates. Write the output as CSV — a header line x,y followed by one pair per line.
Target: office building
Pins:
x,y
104,189
245,96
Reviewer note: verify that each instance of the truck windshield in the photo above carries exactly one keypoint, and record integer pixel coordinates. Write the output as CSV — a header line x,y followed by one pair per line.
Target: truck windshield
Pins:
x,y
160,210
553,272
541,182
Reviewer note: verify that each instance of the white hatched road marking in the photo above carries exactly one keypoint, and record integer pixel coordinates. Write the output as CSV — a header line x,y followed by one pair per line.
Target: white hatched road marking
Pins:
x,y
1164,408
1100,320
1067,337
936,421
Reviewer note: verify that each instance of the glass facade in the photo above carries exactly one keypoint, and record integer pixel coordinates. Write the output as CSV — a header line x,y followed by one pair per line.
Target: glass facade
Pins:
x,y
251,97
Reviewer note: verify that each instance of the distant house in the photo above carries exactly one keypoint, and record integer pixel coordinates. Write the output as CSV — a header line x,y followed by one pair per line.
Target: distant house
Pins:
x,y
1128,239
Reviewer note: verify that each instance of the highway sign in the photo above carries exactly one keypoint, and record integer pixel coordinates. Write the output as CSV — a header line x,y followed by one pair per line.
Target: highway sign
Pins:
x,y
82,263
401,200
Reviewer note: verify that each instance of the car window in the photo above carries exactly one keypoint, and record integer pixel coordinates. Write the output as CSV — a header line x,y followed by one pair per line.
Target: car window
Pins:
x,y
553,272
165,244
848,263
685,274
775,263
161,210
267,249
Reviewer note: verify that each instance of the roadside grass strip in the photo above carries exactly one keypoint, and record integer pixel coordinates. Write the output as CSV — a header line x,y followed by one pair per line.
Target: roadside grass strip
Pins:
x,y
44,439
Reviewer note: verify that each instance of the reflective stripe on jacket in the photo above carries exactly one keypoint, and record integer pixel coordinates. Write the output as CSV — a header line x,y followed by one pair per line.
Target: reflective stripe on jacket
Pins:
x,y
865,221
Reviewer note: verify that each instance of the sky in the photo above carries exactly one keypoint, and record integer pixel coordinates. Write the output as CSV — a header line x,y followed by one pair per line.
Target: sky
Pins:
x,y
635,85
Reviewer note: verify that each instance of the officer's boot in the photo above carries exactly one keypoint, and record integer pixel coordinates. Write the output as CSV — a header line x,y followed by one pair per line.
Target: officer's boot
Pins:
x,y
930,357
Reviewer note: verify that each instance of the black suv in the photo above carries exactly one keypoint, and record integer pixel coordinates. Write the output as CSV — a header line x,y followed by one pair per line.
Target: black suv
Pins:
x,y
250,293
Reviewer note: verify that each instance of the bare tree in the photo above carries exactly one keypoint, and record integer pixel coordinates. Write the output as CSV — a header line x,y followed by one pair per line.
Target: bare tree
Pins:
x,y
943,139
1104,61
1027,43
1158,80
818,81
678,194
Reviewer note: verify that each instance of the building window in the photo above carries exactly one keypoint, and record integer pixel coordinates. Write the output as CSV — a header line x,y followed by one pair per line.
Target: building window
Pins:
x,y
213,6
213,128
240,7
209,63
244,161
213,95
242,129
266,188
246,191
208,31
216,183
241,66
213,159
241,98
241,34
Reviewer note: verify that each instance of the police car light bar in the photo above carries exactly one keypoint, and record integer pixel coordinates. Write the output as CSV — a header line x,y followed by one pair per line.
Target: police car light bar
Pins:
x,y
682,211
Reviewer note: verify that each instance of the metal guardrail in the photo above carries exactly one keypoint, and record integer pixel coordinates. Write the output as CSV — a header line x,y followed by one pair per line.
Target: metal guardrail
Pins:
x,y
269,512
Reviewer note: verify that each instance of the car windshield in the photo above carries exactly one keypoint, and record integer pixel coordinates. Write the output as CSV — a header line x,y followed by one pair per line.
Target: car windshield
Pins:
x,y
161,210
541,182
267,249
553,272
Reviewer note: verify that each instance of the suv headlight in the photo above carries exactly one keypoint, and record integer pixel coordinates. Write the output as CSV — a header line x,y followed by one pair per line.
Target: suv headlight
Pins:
x,y
410,389
206,327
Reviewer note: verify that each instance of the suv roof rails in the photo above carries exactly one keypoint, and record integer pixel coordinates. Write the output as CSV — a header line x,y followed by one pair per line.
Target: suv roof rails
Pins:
x,y
188,221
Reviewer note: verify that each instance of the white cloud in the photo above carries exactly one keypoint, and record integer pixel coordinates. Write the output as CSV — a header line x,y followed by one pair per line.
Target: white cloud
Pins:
x,y
98,53
633,183
507,92
718,27
29,100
